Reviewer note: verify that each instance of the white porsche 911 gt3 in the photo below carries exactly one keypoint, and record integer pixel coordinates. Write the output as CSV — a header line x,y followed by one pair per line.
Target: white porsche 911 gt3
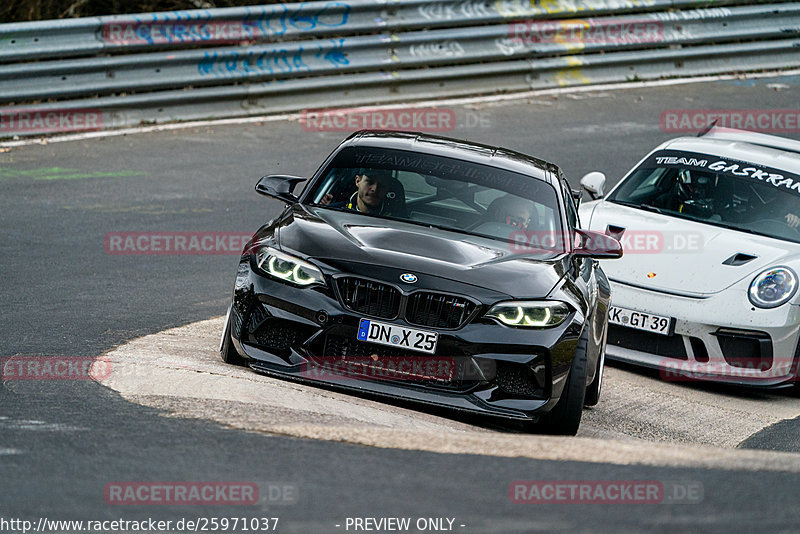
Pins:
x,y
710,228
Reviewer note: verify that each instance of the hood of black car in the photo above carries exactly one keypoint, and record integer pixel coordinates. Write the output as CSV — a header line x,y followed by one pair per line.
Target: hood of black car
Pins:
x,y
327,234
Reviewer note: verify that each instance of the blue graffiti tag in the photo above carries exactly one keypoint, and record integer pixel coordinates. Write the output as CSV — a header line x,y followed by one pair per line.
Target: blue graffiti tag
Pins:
x,y
335,56
235,64
278,60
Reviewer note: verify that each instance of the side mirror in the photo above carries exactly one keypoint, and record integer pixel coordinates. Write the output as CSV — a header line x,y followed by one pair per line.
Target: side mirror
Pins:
x,y
597,245
594,183
279,186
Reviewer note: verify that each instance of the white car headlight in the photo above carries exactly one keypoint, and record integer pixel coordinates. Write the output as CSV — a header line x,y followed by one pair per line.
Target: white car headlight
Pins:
x,y
530,313
773,287
287,267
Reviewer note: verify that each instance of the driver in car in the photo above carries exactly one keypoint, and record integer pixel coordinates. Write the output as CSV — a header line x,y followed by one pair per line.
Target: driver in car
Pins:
x,y
695,193
372,186
511,210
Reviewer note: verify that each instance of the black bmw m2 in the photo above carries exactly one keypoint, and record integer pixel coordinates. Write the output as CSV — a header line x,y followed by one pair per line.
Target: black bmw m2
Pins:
x,y
443,272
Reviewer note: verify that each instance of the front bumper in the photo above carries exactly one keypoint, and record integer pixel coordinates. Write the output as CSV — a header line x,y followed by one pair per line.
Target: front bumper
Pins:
x,y
721,338
309,335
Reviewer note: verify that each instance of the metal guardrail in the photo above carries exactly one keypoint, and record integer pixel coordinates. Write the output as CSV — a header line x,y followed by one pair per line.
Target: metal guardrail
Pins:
x,y
280,22
120,71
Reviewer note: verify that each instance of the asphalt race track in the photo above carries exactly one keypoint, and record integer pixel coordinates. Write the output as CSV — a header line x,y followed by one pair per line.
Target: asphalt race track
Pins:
x,y
169,411
179,371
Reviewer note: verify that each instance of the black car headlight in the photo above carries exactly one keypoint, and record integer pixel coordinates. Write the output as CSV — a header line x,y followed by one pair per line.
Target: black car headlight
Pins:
x,y
287,268
530,313
773,287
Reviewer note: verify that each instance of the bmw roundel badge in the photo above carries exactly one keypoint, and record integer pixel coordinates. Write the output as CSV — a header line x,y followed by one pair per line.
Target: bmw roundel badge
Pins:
x,y
408,278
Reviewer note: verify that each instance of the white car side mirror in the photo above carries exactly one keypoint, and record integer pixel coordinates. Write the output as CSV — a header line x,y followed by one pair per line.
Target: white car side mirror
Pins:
x,y
594,183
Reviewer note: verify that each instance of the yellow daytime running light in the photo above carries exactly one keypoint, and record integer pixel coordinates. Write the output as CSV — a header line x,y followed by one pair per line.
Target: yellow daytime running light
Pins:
x,y
285,267
299,277
530,313
543,322
273,269
515,320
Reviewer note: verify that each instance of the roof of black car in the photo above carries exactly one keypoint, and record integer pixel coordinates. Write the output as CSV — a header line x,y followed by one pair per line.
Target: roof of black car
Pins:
x,y
464,150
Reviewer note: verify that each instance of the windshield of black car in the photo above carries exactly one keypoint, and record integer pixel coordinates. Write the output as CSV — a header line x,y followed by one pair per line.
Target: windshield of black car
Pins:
x,y
443,192
717,191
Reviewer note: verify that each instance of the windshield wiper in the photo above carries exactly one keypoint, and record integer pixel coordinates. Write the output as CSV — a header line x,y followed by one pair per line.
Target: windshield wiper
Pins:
x,y
650,207
645,207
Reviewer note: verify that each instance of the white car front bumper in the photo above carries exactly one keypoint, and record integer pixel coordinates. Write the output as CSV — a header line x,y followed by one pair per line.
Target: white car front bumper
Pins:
x,y
722,337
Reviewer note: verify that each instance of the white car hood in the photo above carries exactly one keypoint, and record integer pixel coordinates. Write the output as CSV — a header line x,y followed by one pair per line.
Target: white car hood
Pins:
x,y
694,265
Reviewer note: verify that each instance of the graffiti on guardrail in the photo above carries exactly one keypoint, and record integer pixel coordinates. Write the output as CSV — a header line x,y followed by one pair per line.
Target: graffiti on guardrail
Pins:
x,y
472,33
509,46
449,48
182,27
694,14
517,8
272,60
454,10
227,64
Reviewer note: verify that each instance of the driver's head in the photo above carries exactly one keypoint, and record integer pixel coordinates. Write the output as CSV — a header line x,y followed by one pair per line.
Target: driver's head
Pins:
x,y
372,184
511,210
696,185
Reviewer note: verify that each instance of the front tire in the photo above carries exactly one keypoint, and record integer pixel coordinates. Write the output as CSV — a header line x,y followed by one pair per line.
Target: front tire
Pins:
x,y
227,351
593,391
565,418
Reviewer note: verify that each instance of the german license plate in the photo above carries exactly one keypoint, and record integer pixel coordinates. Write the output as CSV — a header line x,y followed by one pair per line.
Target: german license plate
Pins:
x,y
649,322
397,336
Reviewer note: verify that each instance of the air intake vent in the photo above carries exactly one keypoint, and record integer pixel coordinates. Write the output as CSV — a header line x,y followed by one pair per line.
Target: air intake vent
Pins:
x,y
740,258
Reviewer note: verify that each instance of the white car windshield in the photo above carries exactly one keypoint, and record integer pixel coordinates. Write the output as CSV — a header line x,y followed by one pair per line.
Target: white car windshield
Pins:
x,y
723,192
